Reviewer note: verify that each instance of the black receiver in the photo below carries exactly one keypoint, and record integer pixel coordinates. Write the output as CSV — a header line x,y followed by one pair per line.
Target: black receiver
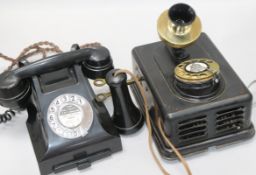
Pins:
x,y
67,126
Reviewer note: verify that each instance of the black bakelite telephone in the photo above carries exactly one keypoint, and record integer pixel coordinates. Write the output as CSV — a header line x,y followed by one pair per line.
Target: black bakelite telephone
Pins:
x,y
192,98
67,126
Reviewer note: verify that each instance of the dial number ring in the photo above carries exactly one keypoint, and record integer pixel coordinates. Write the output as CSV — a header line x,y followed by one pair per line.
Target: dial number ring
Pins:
x,y
70,116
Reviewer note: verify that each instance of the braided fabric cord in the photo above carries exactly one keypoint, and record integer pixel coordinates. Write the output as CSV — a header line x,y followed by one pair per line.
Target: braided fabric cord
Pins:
x,y
43,48
90,45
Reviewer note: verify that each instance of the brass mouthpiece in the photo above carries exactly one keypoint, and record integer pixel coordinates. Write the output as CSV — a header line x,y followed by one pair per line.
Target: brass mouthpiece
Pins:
x,y
179,26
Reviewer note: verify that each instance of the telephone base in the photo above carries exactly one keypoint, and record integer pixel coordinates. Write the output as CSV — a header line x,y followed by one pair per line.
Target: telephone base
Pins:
x,y
79,157
56,153
192,124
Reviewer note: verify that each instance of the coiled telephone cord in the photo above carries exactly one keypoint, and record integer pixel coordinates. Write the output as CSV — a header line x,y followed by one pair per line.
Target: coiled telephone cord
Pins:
x,y
7,116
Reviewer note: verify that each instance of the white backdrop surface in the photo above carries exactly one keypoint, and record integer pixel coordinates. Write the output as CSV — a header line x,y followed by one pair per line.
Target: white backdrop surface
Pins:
x,y
122,25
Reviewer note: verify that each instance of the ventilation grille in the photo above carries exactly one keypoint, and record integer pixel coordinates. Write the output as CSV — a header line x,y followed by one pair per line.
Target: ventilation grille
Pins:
x,y
230,120
191,129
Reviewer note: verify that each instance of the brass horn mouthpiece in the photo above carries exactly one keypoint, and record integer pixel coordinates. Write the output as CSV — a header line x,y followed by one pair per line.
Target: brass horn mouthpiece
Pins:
x,y
179,26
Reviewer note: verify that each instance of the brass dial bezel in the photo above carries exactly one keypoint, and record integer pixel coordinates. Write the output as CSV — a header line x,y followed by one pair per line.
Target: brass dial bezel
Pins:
x,y
197,77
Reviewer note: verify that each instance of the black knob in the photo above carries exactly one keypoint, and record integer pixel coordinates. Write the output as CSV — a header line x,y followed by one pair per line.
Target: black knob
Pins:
x,y
75,47
127,117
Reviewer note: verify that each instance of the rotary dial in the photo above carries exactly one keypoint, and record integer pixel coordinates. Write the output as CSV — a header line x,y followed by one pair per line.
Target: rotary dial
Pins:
x,y
70,116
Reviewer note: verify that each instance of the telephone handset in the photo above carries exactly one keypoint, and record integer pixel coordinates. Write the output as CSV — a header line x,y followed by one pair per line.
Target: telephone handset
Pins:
x,y
67,126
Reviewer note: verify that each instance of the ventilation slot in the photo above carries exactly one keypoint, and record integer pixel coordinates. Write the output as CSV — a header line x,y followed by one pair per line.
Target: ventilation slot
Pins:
x,y
194,128
230,120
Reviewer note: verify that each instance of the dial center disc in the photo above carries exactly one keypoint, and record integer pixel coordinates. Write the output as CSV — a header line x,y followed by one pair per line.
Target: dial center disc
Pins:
x,y
70,115
196,67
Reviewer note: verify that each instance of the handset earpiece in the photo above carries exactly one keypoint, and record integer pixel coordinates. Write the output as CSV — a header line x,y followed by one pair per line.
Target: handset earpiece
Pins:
x,y
98,64
127,117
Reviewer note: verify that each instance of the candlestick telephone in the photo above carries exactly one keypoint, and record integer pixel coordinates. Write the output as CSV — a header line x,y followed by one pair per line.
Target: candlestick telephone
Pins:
x,y
188,94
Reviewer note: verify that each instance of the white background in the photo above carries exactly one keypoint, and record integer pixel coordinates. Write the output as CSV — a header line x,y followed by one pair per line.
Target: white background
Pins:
x,y
122,25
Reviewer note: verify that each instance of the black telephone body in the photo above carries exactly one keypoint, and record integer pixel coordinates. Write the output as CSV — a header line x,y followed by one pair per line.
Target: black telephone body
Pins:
x,y
201,100
67,126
